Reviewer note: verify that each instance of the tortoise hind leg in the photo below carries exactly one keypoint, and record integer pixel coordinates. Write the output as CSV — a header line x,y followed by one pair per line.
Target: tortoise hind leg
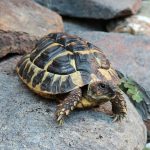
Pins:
x,y
68,104
119,107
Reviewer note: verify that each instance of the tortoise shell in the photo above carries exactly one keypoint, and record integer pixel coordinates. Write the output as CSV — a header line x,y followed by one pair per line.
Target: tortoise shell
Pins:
x,y
61,62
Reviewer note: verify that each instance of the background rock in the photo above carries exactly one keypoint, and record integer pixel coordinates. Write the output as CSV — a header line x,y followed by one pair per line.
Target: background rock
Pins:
x,y
16,42
136,24
28,16
98,9
78,24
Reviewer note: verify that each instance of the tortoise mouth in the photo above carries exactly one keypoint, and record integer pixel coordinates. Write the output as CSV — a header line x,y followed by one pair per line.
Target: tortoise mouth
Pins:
x,y
114,96
106,97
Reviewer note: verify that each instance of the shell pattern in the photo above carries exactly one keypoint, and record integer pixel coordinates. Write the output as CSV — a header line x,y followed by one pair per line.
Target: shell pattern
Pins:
x,y
61,62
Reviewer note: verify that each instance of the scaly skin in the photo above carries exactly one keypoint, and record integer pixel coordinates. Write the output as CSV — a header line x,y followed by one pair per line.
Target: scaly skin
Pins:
x,y
119,107
74,98
68,104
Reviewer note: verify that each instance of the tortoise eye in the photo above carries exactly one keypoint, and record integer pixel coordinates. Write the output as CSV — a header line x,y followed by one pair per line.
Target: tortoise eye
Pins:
x,y
102,85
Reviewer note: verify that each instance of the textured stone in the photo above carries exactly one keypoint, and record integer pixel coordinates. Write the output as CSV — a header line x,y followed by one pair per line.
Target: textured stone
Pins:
x,y
27,120
8,65
16,42
98,9
28,16
136,24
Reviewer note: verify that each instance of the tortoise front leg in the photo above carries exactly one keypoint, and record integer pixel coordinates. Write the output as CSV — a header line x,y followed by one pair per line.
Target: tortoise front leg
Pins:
x,y
68,104
119,107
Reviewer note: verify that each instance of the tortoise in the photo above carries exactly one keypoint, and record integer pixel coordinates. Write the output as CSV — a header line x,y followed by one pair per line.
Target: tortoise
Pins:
x,y
74,72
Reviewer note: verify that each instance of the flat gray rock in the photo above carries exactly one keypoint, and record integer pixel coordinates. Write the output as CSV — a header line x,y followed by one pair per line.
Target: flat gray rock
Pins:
x,y
27,122
98,9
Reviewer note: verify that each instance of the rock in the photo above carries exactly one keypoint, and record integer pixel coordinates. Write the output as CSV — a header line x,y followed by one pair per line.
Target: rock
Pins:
x,y
147,123
147,146
28,16
137,24
16,42
27,120
8,66
98,9
77,24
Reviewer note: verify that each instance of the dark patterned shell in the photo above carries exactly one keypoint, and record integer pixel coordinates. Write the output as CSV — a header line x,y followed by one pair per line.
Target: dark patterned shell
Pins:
x,y
61,62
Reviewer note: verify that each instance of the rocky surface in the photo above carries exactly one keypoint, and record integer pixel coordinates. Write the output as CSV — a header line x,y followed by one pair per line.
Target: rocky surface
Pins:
x,y
27,120
16,42
136,24
98,9
28,16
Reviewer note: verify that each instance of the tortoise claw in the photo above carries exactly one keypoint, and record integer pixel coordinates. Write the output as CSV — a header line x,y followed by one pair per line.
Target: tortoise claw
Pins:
x,y
60,122
60,115
118,117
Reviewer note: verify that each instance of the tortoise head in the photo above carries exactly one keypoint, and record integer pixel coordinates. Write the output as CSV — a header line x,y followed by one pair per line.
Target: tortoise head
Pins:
x,y
101,90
